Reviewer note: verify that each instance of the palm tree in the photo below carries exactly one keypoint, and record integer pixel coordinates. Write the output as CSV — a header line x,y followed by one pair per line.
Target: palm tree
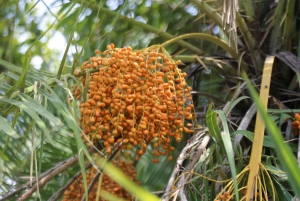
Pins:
x,y
221,46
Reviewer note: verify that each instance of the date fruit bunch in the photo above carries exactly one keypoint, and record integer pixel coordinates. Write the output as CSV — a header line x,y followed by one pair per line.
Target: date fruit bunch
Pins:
x,y
76,190
135,98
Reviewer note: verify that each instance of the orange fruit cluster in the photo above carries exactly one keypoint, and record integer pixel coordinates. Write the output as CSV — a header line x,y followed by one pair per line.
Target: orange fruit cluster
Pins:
x,y
226,196
134,97
76,190
296,125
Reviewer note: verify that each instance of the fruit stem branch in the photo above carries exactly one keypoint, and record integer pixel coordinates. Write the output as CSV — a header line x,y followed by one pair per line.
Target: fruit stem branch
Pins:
x,y
92,184
183,155
45,177
70,182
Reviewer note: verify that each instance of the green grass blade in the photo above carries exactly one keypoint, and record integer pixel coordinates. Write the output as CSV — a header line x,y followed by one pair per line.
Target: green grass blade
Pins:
x,y
229,150
234,103
279,111
212,124
83,172
63,60
268,142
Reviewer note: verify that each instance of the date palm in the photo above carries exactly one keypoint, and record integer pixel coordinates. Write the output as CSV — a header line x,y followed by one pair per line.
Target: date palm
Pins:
x,y
217,42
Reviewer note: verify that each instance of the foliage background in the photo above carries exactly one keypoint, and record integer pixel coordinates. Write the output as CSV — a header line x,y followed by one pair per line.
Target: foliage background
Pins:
x,y
60,35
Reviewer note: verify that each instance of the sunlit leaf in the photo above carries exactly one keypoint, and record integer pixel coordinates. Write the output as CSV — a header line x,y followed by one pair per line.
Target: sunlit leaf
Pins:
x,y
6,127
130,186
32,113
